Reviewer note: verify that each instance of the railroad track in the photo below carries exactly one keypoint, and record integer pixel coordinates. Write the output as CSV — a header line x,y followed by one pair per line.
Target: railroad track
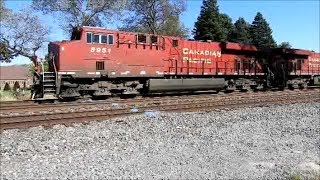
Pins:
x,y
27,106
69,116
32,107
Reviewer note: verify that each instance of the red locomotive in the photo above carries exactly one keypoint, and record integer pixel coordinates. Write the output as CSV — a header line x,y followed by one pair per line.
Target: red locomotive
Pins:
x,y
99,62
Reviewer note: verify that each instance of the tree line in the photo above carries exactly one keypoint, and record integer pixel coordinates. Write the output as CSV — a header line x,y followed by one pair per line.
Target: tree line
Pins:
x,y
22,33
216,26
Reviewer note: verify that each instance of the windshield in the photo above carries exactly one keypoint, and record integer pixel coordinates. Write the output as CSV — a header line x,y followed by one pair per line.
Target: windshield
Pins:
x,y
76,34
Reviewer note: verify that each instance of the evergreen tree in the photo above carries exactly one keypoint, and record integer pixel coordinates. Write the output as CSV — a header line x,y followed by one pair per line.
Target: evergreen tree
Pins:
x,y
240,32
212,25
261,32
285,45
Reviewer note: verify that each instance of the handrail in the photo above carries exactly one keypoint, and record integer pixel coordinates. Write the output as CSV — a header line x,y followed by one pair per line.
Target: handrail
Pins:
x,y
55,72
42,67
54,65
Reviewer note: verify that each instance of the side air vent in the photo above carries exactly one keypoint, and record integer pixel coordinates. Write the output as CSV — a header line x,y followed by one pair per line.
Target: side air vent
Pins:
x,y
100,65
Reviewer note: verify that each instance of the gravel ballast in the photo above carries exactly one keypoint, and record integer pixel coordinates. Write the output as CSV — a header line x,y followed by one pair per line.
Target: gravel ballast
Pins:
x,y
249,143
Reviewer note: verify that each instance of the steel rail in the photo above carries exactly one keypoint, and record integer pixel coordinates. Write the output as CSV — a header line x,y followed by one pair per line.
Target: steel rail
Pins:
x,y
103,114
22,107
73,107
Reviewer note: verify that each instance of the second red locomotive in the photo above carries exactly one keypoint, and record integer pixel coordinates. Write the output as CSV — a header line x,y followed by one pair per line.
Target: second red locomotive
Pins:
x,y
99,62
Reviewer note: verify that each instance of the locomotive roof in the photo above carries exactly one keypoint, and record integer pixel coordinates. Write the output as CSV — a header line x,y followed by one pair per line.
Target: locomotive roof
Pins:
x,y
289,52
99,29
228,46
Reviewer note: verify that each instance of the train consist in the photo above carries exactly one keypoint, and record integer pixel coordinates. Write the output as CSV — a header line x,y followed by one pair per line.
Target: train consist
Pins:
x,y
98,62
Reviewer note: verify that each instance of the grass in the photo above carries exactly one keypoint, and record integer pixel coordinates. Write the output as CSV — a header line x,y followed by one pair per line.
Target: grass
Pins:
x,y
298,177
295,177
15,96
7,96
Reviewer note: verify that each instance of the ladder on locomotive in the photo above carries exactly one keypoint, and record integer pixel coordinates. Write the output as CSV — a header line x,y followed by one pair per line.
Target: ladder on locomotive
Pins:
x,y
49,81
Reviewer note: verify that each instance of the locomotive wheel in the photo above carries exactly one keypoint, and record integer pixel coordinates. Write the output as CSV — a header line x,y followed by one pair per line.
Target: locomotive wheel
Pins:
x,y
127,96
290,87
303,86
70,93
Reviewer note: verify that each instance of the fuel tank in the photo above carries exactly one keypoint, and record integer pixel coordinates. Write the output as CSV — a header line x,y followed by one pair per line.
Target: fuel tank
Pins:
x,y
161,85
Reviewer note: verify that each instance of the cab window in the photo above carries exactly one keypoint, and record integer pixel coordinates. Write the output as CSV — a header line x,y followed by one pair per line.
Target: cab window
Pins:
x,y
100,38
110,39
103,39
89,37
96,38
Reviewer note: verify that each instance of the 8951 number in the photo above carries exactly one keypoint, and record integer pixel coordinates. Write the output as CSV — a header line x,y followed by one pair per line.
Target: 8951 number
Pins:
x,y
99,50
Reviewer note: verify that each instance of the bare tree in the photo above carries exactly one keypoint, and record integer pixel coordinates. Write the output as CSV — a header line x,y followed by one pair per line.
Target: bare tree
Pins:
x,y
155,16
173,27
75,13
4,12
21,34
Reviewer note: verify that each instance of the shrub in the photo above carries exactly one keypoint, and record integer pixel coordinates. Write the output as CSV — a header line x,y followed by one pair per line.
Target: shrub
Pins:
x,y
6,87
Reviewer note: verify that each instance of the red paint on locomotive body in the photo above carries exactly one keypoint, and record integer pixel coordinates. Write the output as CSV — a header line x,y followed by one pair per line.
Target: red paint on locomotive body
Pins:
x,y
124,54
99,62
98,51
312,64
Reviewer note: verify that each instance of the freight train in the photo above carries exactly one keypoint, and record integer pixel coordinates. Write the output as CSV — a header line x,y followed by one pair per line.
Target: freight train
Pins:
x,y
100,62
